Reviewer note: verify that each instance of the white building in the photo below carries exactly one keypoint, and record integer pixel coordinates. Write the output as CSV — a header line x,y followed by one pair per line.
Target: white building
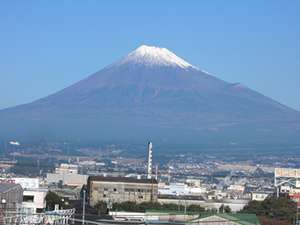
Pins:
x,y
259,196
66,169
68,175
34,197
34,200
67,179
25,182
236,187
188,188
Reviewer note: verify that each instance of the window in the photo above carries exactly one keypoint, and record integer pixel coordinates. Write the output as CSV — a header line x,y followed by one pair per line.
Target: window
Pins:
x,y
104,196
115,189
39,210
129,190
140,197
28,198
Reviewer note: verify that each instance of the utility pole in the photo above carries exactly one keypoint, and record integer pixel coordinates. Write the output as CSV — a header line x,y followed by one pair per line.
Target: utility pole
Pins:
x,y
83,207
297,216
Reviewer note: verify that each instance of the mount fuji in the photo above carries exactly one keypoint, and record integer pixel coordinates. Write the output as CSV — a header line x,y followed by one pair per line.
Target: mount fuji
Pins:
x,y
153,94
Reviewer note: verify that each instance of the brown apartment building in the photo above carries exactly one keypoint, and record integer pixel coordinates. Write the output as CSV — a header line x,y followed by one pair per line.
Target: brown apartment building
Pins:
x,y
121,189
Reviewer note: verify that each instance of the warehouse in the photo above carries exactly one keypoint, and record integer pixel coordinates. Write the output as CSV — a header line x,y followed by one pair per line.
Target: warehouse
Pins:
x,y
121,189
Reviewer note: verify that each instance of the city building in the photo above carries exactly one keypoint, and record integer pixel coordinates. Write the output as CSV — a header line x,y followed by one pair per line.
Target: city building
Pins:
x,y
11,196
210,204
190,187
34,200
67,179
121,189
259,195
65,168
286,180
25,182
34,197
236,188
67,174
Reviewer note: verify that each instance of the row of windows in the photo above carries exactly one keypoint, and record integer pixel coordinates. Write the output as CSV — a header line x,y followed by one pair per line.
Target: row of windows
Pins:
x,y
140,197
106,189
126,189
136,190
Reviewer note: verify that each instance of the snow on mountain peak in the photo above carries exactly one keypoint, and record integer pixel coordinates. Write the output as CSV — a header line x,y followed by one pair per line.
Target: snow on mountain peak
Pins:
x,y
151,56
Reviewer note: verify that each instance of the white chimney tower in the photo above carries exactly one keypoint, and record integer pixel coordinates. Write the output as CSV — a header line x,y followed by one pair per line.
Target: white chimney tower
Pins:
x,y
149,168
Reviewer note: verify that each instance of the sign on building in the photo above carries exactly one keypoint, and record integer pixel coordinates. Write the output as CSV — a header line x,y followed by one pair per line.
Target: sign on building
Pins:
x,y
26,183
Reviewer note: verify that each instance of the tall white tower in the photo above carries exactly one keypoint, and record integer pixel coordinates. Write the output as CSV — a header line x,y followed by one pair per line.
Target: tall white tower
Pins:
x,y
149,167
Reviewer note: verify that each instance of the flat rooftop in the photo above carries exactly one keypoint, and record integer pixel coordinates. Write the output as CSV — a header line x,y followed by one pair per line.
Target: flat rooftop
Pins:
x,y
122,180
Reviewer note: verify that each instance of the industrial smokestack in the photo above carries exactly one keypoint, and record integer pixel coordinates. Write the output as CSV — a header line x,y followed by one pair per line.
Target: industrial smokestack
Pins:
x,y
149,167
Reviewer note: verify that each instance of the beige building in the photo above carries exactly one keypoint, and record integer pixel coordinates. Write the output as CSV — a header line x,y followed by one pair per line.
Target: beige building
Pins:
x,y
76,180
68,175
67,169
121,189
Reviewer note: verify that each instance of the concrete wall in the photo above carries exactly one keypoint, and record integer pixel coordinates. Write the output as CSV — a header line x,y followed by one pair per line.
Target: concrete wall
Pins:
x,y
67,179
39,201
121,192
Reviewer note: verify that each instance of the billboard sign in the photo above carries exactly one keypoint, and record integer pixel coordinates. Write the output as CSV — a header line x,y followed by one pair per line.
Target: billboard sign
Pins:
x,y
26,183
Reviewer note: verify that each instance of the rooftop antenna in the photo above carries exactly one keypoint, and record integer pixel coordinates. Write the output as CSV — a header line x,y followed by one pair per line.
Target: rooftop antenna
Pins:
x,y
149,167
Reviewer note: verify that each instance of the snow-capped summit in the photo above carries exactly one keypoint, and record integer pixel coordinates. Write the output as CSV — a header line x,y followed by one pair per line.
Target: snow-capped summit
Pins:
x,y
152,93
153,56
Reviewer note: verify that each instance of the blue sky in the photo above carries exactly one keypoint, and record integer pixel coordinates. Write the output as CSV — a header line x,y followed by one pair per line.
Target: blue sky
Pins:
x,y
48,45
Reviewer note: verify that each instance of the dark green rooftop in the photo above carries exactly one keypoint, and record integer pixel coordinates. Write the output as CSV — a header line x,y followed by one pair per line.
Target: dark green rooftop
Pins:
x,y
240,218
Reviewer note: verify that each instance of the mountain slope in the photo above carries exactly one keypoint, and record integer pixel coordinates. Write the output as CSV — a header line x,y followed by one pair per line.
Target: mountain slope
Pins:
x,y
152,93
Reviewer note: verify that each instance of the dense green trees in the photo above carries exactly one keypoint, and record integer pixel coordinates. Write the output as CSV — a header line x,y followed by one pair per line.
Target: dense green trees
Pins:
x,y
142,207
52,199
224,209
195,208
101,207
280,209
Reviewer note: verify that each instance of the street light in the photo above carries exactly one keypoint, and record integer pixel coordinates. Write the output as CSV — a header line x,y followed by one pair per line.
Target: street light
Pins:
x,y
63,202
83,207
3,203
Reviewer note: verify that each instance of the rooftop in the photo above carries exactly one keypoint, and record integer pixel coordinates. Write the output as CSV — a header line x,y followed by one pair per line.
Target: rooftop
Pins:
x,y
122,180
239,218
5,187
